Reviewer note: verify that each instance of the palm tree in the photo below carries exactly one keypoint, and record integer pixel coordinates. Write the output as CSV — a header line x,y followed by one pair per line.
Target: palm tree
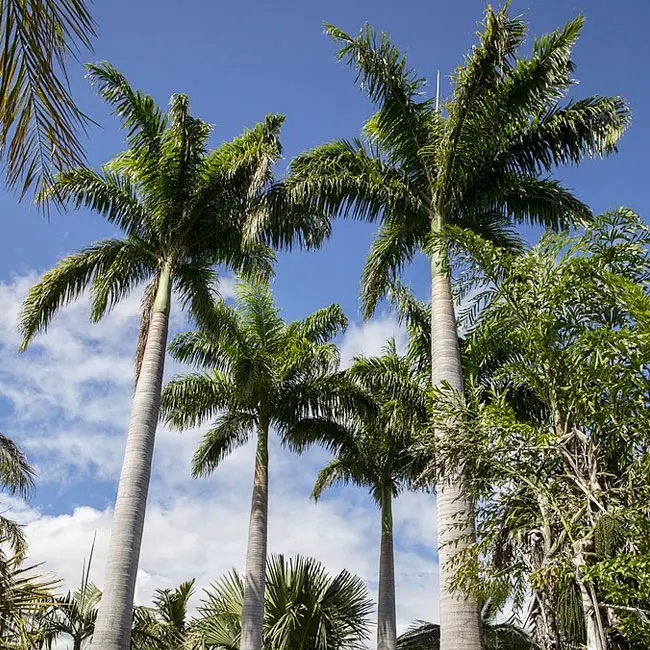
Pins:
x,y
262,373
182,209
376,455
39,121
165,625
305,609
433,174
74,615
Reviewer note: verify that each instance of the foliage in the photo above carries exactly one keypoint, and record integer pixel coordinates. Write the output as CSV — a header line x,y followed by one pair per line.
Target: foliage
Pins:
x,y
479,161
181,208
561,477
165,625
25,597
305,609
259,368
39,121
17,477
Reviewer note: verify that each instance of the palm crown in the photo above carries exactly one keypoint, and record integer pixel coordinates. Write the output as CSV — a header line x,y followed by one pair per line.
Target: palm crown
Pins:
x,y
263,372
181,207
481,160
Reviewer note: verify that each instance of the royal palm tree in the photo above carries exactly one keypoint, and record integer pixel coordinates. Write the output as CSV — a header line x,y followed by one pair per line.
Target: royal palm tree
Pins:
x,y
183,210
478,162
39,121
376,455
259,373
305,609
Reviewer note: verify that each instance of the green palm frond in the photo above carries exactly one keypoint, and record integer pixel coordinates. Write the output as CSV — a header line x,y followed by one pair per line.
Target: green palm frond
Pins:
x,y
305,608
141,117
16,474
111,195
190,400
392,250
39,121
230,430
64,283
322,325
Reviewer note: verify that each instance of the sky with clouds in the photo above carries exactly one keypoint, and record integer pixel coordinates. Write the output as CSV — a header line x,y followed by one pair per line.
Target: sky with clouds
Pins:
x,y
67,400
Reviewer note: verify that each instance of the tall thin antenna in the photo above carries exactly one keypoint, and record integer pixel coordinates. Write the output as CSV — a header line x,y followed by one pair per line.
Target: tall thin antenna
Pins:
x,y
438,91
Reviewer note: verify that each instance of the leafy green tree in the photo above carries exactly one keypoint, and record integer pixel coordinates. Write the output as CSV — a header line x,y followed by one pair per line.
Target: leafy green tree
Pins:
x,y
376,455
305,609
481,161
261,373
165,625
561,479
183,209
39,121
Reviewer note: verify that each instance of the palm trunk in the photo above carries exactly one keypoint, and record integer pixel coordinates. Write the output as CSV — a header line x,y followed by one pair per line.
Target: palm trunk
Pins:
x,y
113,626
252,622
460,621
386,619
593,625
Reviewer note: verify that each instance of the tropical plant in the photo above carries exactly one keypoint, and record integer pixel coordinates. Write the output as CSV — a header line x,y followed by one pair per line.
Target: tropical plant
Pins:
x,y
479,161
39,121
183,209
498,636
376,454
561,481
305,609
74,615
261,373
165,625
25,597
17,477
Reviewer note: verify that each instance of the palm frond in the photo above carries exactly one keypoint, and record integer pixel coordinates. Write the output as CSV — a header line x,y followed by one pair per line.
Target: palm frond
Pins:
x,y
16,474
39,121
62,284
231,430
190,400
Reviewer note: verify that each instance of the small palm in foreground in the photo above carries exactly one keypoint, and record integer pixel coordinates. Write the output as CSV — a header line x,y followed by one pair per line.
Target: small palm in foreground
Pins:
x,y
261,373
478,163
498,636
376,455
164,625
74,615
182,210
305,609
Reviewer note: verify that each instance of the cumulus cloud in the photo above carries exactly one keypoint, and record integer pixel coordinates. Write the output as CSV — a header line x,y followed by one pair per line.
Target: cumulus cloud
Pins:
x,y
67,401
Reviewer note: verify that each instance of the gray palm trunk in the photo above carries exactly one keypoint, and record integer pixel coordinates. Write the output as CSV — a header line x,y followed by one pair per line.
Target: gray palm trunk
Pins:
x,y
386,618
252,621
593,625
115,613
460,620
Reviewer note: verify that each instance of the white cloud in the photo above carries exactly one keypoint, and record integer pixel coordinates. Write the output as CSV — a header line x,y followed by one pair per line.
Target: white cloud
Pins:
x,y
370,337
67,401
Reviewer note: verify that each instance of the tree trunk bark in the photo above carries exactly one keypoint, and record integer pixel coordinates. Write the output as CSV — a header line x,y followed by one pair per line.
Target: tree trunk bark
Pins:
x,y
593,627
252,624
460,620
386,618
114,618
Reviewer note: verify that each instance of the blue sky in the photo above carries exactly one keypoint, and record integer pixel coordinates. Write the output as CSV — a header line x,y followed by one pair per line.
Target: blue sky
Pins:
x,y
67,401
